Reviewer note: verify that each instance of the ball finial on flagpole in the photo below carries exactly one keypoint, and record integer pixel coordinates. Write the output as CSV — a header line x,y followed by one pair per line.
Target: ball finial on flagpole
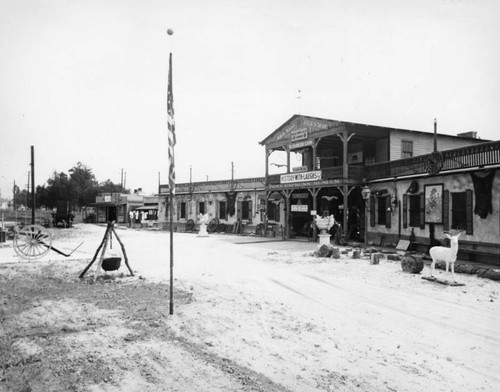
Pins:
x,y
170,31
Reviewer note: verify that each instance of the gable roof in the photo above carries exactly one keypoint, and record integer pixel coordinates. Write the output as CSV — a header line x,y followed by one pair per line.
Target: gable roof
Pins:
x,y
318,124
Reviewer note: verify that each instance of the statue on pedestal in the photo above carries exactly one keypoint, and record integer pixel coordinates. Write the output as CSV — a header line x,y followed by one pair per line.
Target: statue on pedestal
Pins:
x,y
324,224
203,218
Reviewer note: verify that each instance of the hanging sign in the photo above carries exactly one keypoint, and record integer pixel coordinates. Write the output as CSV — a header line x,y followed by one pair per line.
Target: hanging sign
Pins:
x,y
298,134
305,143
300,195
299,207
299,177
299,169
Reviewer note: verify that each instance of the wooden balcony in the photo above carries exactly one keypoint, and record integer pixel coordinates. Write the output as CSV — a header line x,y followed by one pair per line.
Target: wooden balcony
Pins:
x,y
479,155
356,172
474,156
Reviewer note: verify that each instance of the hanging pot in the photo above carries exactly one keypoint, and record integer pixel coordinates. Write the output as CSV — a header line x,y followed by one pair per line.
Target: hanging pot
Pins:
x,y
111,262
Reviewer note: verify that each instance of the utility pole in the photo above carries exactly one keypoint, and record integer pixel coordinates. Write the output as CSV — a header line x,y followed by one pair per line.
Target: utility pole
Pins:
x,y
435,136
14,195
33,184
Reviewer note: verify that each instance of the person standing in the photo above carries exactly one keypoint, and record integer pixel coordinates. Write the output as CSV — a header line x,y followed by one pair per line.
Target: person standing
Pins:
x,y
130,218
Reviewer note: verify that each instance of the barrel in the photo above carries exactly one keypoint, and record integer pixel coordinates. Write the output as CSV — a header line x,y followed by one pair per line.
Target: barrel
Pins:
x,y
412,264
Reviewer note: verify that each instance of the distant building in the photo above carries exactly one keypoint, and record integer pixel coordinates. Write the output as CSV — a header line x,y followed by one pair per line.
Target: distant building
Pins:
x,y
4,204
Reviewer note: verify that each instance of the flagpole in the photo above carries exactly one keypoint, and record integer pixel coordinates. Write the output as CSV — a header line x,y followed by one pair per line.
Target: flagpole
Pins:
x,y
171,212
171,174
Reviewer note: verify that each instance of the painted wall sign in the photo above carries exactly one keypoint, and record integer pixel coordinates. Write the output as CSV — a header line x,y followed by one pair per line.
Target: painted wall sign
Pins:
x,y
305,184
302,128
299,208
299,177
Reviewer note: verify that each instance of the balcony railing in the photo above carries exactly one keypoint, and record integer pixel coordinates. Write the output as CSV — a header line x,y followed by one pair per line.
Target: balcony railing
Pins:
x,y
478,155
356,172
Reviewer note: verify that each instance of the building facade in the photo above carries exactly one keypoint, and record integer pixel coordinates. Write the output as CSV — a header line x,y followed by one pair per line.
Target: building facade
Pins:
x,y
232,205
316,166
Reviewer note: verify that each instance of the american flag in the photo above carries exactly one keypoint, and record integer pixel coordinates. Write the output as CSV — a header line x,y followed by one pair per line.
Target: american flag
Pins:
x,y
171,129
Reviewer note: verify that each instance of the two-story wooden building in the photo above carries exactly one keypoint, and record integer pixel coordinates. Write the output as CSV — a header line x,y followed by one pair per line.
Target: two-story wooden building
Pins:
x,y
325,163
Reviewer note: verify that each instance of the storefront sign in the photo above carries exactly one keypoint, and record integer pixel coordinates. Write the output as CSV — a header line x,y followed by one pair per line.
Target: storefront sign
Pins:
x,y
299,207
299,177
303,144
299,134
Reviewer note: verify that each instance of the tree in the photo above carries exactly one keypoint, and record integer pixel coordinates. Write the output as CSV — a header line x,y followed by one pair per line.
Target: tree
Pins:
x,y
78,189
109,187
83,185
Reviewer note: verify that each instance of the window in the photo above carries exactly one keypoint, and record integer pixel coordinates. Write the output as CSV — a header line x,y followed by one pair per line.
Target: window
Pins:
x,y
406,149
381,210
183,210
222,210
414,204
201,207
458,210
273,211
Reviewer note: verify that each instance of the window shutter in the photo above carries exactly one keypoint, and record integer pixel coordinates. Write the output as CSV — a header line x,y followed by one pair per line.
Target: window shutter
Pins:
x,y
372,212
446,210
197,208
405,211
468,212
217,209
388,212
178,210
250,204
422,211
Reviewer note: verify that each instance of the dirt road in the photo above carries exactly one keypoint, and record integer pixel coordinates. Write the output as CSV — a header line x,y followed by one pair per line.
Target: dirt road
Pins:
x,y
248,317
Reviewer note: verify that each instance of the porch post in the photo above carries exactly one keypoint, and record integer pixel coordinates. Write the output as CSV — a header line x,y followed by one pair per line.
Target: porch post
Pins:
x,y
314,193
288,194
345,140
287,149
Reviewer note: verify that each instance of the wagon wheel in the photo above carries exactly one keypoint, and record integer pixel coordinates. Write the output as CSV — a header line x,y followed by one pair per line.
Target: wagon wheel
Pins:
x,y
212,225
32,242
189,225
433,163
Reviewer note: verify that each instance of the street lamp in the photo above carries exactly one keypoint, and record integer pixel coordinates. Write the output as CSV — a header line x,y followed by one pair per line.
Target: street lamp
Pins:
x,y
365,193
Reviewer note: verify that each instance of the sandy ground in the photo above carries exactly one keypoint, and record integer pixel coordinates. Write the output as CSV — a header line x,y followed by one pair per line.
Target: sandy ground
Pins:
x,y
248,316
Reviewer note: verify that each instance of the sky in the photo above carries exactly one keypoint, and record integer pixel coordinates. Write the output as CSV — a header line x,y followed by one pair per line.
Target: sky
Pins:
x,y
86,80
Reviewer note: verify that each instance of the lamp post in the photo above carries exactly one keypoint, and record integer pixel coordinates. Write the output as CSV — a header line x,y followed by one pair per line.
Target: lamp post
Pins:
x,y
365,193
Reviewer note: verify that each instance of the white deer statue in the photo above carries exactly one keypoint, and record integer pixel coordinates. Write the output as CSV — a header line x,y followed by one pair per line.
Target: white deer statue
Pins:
x,y
448,255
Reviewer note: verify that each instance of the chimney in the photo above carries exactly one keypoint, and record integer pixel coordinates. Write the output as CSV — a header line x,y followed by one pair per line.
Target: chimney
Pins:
x,y
470,135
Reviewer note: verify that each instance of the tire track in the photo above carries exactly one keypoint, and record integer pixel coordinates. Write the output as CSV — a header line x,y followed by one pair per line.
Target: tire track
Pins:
x,y
492,337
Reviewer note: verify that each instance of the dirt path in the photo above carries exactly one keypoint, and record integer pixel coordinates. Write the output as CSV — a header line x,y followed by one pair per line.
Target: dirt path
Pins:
x,y
59,333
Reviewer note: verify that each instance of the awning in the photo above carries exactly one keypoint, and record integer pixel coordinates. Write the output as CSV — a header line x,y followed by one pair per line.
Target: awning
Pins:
x,y
146,208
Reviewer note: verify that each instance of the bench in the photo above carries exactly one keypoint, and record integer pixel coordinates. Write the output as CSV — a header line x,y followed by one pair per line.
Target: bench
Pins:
x,y
484,256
